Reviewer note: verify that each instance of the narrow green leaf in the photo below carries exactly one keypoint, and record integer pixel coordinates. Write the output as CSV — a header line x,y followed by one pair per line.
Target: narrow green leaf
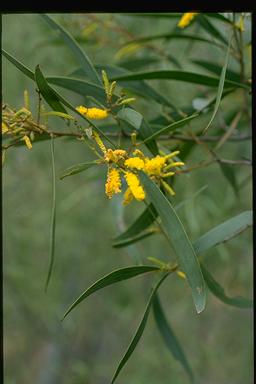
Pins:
x,y
136,120
77,169
177,235
210,28
147,217
19,65
220,88
170,36
75,48
218,291
53,218
218,16
131,117
112,278
170,127
140,234
169,337
58,114
139,331
47,92
134,239
216,69
189,77
223,232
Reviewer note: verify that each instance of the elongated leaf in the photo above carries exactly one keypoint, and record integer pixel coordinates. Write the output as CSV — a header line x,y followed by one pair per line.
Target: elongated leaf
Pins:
x,y
139,331
147,217
53,218
218,291
216,69
57,114
169,337
134,239
19,65
140,234
112,278
46,91
81,87
220,88
75,48
77,169
176,233
136,120
171,127
189,77
131,117
223,232
170,36
210,28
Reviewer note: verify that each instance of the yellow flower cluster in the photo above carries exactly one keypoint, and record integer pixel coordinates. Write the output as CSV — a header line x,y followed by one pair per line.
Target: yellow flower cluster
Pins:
x,y
120,162
134,186
92,113
113,184
186,19
134,163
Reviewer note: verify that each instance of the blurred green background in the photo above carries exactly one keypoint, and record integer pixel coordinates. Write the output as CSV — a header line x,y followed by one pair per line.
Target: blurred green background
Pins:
x,y
87,346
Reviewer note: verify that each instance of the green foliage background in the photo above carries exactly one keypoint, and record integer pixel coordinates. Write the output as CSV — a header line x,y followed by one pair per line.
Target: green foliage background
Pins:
x,y
87,345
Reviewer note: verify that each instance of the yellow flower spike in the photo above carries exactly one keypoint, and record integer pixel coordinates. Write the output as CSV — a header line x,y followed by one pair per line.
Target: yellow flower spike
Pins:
x,y
135,187
128,196
113,184
27,141
186,19
99,142
115,156
92,113
4,128
175,153
181,274
26,99
168,188
134,163
174,164
138,153
154,166
167,174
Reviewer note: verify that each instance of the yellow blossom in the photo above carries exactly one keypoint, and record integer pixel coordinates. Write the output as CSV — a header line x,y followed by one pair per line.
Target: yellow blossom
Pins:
x,y
138,153
4,128
186,19
99,142
128,196
113,184
135,187
92,113
154,166
27,141
134,163
181,274
116,155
